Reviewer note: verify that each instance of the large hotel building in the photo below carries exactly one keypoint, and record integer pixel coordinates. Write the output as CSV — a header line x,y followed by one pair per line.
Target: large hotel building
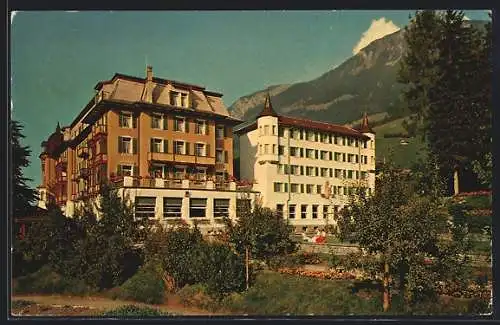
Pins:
x,y
305,169
166,145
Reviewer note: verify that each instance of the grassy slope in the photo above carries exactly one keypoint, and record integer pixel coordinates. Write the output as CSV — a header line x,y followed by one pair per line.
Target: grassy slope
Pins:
x,y
403,155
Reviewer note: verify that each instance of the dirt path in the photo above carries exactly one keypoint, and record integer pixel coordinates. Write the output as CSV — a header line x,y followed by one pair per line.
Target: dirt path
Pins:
x,y
96,305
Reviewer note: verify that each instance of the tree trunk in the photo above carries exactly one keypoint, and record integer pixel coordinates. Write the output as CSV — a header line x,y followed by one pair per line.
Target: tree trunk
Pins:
x,y
247,253
387,302
456,188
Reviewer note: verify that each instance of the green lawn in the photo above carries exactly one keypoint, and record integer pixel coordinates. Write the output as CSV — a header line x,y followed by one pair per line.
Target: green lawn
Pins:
x,y
403,155
390,127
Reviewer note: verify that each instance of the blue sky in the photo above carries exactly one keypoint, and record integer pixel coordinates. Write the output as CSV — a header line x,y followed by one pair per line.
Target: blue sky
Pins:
x,y
58,57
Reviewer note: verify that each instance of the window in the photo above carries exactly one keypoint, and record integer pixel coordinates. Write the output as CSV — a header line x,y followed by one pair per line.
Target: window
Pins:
x,y
286,169
357,174
343,141
277,187
281,132
316,169
286,187
309,171
294,170
179,147
199,149
281,150
293,151
266,148
349,174
221,208
280,169
179,124
184,100
291,211
266,129
301,170
338,173
324,172
274,149
174,98
366,160
349,158
335,139
336,209
331,172
172,207
158,121
219,156
301,152
344,175
315,212
325,138
296,134
303,211
126,120
145,207
325,211
294,188
157,145
343,157
324,155
310,153
363,175
279,210
274,129
200,127
309,188
127,145
318,189
310,135
301,188
197,208
220,132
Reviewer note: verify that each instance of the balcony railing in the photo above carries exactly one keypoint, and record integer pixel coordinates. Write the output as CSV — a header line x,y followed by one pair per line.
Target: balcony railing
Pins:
x,y
99,129
83,152
132,181
220,166
219,143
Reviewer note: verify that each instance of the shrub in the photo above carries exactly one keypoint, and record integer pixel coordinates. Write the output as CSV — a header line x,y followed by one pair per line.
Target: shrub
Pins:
x,y
224,271
46,280
134,311
286,261
196,295
145,286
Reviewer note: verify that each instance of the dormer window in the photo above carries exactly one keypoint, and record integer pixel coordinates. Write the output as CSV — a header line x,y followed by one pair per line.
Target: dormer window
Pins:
x,y
184,100
174,98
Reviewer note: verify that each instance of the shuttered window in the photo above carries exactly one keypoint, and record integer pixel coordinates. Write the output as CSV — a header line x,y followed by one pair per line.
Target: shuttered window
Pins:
x,y
145,207
197,208
221,208
172,207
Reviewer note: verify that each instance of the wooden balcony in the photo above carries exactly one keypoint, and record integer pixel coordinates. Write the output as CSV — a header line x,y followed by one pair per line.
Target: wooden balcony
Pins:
x,y
186,159
188,184
220,166
99,159
83,152
99,130
84,172
219,143
161,156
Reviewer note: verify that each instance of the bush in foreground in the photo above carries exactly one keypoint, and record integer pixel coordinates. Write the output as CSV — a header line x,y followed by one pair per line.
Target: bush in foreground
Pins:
x,y
145,286
21,303
134,311
47,280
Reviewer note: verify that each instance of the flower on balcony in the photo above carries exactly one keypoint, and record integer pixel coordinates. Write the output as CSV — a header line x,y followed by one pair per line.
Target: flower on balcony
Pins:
x,y
232,178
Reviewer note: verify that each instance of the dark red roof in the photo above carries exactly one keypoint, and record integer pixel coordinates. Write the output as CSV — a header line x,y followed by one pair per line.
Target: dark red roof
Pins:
x,y
318,126
268,108
308,124
365,127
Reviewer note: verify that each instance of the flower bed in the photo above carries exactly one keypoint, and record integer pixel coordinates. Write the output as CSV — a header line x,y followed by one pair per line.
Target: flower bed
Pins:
x,y
472,290
324,275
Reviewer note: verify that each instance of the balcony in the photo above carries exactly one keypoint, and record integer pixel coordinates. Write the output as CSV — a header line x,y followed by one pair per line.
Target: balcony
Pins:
x,y
100,158
83,152
219,143
84,172
99,130
220,166
132,181
161,156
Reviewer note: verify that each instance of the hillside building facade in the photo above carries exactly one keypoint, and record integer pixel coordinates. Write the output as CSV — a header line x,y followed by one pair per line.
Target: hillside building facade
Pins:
x,y
305,169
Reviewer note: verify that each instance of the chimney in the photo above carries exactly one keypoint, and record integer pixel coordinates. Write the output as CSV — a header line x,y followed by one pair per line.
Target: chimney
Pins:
x,y
148,87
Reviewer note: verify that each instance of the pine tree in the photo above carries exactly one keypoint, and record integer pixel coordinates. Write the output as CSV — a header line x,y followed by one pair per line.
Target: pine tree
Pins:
x,y
448,86
23,195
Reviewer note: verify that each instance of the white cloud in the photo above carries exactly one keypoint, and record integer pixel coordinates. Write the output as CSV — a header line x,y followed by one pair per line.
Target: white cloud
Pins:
x,y
378,29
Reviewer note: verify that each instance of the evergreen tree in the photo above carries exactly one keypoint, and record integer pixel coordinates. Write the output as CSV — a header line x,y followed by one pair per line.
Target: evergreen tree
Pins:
x,y
447,73
23,195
